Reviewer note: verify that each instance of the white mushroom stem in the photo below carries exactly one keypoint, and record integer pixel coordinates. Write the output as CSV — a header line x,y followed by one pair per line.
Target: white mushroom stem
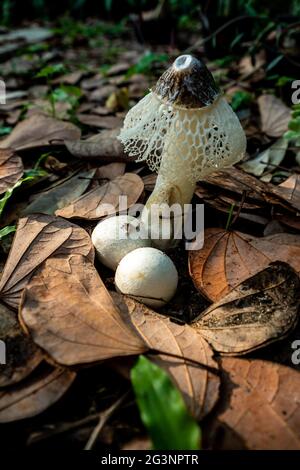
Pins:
x,y
169,190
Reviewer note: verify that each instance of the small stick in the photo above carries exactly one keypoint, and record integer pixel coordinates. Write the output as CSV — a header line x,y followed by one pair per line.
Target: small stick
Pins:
x,y
104,417
244,195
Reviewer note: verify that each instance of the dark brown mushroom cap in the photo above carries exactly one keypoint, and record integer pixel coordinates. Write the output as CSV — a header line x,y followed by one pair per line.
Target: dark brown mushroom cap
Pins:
x,y
187,83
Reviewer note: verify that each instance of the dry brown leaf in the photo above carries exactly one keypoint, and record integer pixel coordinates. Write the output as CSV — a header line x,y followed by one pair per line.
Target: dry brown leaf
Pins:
x,y
94,204
70,78
223,188
22,355
104,145
248,65
229,258
111,171
260,310
101,93
267,160
39,130
275,115
235,181
290,190
34,395
149,181
104,122
70,314
37,238
262,404
199,387
59,195
11,169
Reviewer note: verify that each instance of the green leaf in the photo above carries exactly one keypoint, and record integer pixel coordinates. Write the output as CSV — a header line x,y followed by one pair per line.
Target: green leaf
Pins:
x,y
51,70
274,62
29,176
296,113
284,80
5,130
294,124
162,409
145,64
291,135
240,99
7,230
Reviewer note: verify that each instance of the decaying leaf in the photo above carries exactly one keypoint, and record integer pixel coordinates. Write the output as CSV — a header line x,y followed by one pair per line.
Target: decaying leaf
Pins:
x,y
104,122
22,355
34,395
257,192
70,314
229,258
199,387
260,310
268,159
11,169
61,194
275,115
110,171
290,190
149,181
38,131
104,145
261,405
104,200
37,238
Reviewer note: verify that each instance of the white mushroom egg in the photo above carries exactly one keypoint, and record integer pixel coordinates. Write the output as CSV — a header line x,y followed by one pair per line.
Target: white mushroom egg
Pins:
x,y
148,275
115,237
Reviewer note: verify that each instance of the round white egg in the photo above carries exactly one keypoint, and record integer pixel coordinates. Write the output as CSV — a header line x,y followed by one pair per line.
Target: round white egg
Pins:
x,y
148,275
115,237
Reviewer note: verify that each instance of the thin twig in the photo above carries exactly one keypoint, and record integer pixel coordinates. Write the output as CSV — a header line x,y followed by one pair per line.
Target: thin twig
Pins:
x,y
64,428
244,195
104,417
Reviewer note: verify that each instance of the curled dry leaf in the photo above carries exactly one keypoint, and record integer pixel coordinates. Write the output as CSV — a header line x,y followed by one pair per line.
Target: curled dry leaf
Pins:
x,y
104,146
104,122
290,190
235,181
34,395
70,314
61,194
229,258
275,115
260,310
261,404
11,169
38,131
37,238
22,355
269,159
104,200
149,181
199,386
110,171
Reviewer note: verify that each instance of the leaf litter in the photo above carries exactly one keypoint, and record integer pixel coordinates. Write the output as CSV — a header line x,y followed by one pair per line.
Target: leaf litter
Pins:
x,y
67,316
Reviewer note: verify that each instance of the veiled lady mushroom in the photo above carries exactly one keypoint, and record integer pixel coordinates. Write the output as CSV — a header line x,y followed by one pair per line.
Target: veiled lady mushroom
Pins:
x,y
184,129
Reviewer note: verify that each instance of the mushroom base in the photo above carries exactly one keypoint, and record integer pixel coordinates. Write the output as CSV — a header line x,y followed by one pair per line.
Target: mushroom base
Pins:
x,y
164,212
